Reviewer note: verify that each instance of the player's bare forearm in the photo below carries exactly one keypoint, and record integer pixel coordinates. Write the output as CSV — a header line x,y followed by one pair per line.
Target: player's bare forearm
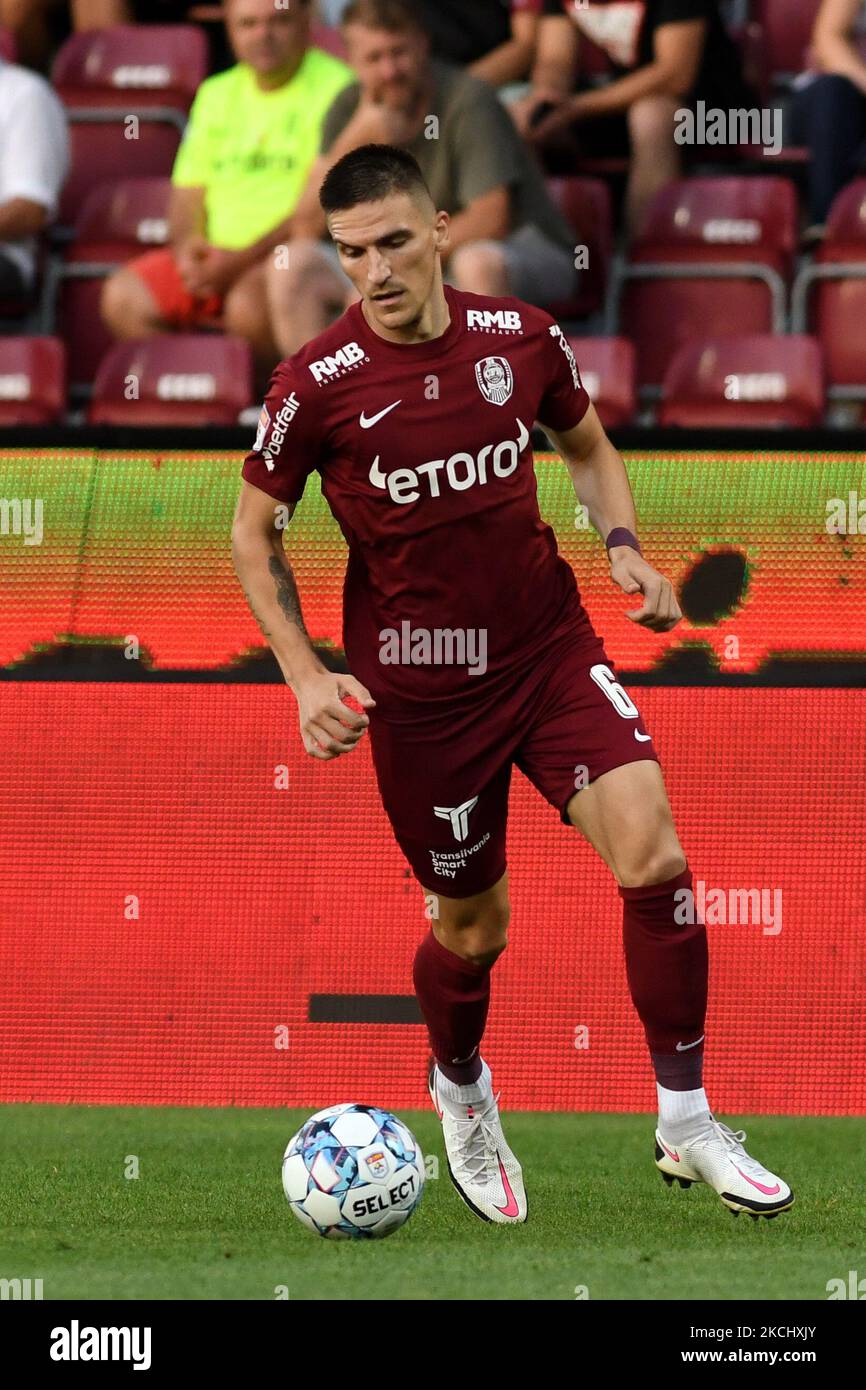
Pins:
x,y
271,591
598,474
329,727
601,485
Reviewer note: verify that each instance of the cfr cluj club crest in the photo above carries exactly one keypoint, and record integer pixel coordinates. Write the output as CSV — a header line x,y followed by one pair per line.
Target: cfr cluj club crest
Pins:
x,y
495,379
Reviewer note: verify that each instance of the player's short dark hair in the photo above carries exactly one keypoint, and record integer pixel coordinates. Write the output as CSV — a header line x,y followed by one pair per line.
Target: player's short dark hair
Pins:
x,y
369,174
394,16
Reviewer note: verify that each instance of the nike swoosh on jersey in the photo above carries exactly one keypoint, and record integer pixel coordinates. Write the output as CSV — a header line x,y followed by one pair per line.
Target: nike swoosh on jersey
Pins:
x,y
367,424
643,738
684,1047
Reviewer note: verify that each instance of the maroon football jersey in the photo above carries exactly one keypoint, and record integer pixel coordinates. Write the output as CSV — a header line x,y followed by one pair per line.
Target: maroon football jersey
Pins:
x,y
453,579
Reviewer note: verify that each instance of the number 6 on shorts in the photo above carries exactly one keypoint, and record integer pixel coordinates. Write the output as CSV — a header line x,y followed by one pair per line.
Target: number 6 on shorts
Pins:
x,y
619,698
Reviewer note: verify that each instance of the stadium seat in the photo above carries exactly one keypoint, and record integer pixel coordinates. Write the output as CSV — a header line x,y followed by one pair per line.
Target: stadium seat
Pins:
x,y
759,380
778,39
586,206
122,218
109,78
173,379
829,296
131,67
116,222
722,220
607,370
32,381
712,257
100,153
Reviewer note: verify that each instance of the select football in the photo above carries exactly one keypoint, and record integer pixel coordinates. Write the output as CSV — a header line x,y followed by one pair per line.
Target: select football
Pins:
x,y
353,1172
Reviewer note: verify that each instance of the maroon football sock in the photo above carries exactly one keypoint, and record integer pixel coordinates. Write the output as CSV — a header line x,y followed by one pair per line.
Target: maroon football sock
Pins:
x,y
666,964
454,995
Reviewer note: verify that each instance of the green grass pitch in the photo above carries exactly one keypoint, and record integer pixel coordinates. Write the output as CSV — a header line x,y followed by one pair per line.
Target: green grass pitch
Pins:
x,y
206,1217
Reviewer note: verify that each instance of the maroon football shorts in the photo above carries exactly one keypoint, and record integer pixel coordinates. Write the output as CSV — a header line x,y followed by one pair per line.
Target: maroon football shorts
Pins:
x,y
445,785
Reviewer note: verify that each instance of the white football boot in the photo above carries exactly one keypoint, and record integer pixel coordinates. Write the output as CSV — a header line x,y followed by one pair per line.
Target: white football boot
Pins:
x,y
716,1156
482,1166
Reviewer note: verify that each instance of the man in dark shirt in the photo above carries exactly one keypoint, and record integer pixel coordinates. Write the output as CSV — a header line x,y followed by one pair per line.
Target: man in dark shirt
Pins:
x,y
664,56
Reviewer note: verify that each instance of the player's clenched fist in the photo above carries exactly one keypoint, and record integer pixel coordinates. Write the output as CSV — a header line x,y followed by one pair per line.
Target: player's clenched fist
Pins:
x,y
630,571
329,726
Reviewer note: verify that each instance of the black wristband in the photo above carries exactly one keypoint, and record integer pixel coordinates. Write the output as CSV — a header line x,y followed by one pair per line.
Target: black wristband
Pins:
x,y
620,535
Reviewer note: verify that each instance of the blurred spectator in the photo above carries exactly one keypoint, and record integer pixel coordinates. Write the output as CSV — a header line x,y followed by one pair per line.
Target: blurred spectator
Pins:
x,y
34,159
253,133
494,39
829,110
666,55
506,235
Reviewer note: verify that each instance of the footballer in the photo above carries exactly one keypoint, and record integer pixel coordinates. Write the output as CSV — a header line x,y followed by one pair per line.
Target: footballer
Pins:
x,y
416,407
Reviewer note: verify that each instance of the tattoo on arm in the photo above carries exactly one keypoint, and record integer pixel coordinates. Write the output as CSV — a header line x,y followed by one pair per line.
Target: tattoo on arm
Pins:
x,y
287,593
258,617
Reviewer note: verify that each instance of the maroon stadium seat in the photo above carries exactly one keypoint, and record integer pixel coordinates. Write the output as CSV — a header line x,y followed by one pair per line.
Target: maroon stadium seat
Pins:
x,y
712,258
180,379
607,370
786,31
99,153
108,77
131,67
122,218
32,381
829,296
722,219
586,206
778,38
117,221
758,380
